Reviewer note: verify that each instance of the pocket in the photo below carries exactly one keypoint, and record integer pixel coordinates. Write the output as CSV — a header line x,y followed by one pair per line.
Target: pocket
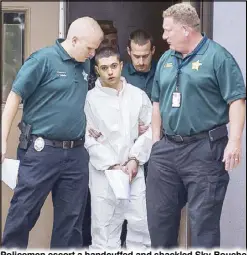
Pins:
x,y
217,186
155,144
217,148
26,153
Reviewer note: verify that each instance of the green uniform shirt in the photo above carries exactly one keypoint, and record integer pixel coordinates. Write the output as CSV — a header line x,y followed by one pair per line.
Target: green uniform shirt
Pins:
x,y
141,80
53,88
207,83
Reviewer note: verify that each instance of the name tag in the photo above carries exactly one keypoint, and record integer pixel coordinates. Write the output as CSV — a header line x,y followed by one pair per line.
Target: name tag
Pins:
x,y
176,99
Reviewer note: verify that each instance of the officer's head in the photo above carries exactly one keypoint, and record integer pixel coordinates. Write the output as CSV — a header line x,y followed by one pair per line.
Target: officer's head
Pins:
x,y
108,66
180,24
141,49
110,34
83,38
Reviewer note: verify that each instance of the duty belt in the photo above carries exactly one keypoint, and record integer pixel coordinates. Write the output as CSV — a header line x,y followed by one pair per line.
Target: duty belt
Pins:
x,y
61,144
213,135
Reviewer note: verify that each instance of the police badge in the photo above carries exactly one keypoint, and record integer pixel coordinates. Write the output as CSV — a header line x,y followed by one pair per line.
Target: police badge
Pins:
x,y
39,144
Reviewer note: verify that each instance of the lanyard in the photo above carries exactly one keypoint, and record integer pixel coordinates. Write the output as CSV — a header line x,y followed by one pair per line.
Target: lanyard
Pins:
x,y
187,59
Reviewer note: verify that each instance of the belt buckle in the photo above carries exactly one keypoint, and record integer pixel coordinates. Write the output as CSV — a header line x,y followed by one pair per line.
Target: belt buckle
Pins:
x,y
180,138
68,144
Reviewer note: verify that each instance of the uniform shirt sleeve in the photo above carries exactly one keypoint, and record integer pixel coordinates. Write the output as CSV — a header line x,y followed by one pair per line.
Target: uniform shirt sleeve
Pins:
x,y
99,155
142,147
230,80
155,97
29,77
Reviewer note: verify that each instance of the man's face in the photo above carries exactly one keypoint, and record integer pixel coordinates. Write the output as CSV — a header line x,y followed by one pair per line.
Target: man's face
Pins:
x,y
110,40
85,47
174,34
141,56
109,70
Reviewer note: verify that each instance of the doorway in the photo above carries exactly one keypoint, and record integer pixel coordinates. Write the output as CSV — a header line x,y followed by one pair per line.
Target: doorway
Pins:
x,y
126,17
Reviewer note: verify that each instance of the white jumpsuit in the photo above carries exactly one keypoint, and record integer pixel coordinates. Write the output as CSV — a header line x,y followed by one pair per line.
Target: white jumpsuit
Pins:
x,y
116,116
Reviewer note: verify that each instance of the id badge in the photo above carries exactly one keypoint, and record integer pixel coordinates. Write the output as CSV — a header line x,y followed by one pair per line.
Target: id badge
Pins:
x,y
176,99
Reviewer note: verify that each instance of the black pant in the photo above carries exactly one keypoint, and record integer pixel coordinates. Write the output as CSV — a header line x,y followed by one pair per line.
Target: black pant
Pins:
x,y
86,225
65,173
186,171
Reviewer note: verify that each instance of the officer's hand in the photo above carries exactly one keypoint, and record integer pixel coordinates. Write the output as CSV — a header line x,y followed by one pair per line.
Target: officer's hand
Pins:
x,y
93,133
132,169
232,154
3,151
142,128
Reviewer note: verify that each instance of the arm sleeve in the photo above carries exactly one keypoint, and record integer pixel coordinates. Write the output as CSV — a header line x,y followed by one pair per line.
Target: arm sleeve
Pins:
x,y
143,144
155,97
156,88
230,80
29,77
99,155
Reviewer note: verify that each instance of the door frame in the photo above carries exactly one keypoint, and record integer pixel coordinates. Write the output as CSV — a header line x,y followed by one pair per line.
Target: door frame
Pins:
x,y
205,11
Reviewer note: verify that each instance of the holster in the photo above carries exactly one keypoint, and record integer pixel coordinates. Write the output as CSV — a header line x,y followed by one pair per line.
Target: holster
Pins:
x,y
217,133
25,134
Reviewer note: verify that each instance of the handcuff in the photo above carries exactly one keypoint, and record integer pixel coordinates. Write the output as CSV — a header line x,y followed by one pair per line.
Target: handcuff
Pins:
x,y
131,158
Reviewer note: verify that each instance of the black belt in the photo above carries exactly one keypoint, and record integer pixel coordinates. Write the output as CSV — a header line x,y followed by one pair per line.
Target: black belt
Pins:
x,y
213,134
61,144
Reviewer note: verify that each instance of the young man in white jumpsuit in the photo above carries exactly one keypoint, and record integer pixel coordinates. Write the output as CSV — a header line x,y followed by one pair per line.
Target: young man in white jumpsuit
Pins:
x,y
114,108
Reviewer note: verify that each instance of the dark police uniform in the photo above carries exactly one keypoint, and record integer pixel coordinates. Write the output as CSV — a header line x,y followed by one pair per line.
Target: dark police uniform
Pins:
x,y
53,88
186,164
142,80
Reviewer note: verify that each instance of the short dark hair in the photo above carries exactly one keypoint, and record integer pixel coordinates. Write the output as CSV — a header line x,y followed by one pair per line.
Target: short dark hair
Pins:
x,y
106,52
107,27
140,37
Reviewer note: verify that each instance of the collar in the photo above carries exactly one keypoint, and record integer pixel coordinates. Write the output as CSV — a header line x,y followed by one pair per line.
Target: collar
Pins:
x,y
61,51
132,70
110,91
200,52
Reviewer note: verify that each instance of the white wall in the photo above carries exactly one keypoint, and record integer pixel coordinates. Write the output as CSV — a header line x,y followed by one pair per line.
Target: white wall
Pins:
x,y
229,29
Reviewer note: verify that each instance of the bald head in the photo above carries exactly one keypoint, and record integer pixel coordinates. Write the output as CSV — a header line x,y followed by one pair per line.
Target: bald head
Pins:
x,y
84,27
83,38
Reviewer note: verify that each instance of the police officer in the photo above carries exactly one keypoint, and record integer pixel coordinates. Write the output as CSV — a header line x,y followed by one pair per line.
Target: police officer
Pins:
x,y
52,84
198,89
140,71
